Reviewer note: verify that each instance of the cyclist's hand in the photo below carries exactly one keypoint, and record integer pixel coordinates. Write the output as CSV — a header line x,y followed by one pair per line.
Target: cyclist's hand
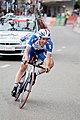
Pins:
x,y
25,62
47,69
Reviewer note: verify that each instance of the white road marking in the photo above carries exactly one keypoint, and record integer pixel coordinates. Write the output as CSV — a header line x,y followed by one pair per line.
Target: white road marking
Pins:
x,y
4,66
63,47
59,50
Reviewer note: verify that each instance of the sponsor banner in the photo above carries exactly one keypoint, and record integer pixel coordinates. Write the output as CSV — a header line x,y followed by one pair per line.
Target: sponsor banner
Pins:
x,y
78,20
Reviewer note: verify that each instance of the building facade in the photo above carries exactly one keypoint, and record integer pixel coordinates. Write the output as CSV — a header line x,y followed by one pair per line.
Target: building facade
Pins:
x,y
55,7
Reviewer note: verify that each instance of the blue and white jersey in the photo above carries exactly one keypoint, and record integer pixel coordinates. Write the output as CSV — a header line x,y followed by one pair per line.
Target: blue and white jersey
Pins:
x,y
33,41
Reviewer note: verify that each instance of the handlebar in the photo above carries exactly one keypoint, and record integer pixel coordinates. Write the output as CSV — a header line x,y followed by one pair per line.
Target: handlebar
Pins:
x,y
34,64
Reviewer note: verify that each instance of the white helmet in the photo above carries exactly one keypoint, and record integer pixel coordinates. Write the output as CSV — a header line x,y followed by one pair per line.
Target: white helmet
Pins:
x,y
44,33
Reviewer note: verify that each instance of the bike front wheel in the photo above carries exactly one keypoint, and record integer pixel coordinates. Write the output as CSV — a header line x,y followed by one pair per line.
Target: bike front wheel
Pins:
x,y
24,95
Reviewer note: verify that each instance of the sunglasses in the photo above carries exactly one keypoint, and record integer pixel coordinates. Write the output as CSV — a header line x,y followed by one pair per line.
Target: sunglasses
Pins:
x,y
45,39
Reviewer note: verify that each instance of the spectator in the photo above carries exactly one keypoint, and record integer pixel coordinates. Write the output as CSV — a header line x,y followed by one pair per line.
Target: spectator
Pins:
x,y
67,14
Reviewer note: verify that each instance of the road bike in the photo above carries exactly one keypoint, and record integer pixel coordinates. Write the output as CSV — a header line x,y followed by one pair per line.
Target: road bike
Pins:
x,y
27,81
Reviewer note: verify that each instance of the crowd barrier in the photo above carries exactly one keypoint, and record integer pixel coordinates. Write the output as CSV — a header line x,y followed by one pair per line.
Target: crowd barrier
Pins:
x,y
52,21
60,21
76,26
55,21
72,20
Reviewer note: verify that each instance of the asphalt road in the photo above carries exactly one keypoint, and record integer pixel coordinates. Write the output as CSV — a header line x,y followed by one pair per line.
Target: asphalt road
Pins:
x,y
55,96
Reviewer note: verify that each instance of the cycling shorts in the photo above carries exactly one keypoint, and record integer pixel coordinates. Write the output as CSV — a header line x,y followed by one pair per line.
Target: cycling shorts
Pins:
x,y
40,53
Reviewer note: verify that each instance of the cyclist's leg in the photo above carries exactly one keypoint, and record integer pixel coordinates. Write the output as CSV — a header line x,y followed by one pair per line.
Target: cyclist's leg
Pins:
x,y
23,67
20,72
18,78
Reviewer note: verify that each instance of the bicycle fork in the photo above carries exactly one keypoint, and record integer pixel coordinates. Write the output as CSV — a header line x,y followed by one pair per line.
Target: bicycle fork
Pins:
x,y
32,77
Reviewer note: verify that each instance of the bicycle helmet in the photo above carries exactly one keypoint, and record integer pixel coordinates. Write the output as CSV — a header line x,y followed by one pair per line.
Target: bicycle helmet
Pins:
x,y
44,33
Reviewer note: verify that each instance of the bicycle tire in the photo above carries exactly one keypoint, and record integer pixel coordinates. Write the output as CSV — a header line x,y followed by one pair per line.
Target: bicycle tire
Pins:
x,y
27,91
26,96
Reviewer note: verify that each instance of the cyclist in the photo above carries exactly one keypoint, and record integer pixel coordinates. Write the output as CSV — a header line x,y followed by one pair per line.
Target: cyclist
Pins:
x,y
41,44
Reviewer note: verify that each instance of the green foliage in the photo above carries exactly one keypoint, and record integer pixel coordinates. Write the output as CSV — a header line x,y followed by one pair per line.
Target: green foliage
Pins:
x,y
77,4
78,1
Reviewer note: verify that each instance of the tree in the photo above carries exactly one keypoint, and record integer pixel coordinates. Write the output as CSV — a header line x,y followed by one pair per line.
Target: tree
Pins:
x,y
77,4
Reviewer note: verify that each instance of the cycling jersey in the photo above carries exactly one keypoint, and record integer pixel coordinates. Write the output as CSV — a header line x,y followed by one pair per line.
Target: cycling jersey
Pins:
x,y
33,42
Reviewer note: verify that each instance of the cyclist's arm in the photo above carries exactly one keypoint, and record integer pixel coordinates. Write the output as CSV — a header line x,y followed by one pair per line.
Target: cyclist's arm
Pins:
x,y
29,45
48,55
26,53
48,61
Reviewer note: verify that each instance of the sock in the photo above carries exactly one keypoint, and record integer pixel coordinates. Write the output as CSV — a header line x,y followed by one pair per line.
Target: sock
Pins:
x,y
15,84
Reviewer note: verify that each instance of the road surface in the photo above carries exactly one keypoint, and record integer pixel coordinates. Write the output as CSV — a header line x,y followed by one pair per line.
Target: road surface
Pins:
x,y
55,96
